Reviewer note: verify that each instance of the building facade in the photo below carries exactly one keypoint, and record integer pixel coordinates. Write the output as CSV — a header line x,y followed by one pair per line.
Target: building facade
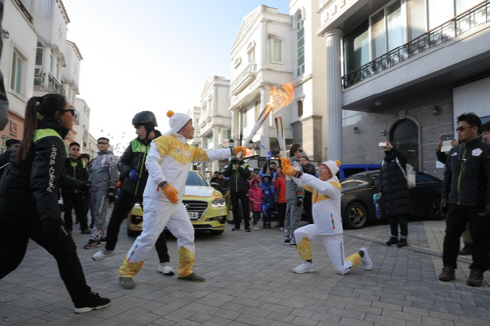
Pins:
x,y
82,126
261,57
402,71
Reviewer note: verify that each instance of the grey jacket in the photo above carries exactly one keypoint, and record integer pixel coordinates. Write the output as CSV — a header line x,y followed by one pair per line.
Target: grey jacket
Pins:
x,y
104,171
293,191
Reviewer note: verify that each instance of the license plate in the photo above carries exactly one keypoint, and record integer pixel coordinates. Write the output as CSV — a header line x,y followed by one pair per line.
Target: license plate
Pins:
x,y
193,215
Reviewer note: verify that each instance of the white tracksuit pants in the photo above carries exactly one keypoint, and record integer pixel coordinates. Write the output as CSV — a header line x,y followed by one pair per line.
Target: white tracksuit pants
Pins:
x,y
156,215
333,243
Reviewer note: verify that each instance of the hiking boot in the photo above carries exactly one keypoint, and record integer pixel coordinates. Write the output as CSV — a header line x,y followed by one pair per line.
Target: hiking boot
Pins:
x,y
286,241
447,274
402,243
92,244
103,254
306,267
393,240
366,261
85,231
127,283
466,249
192,277
476,277
165,269
93,302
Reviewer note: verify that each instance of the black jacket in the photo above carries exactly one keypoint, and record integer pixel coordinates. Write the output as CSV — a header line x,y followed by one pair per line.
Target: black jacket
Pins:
x,y
238,178
4,159
441,157
134,158
75,169
393,185
467,175
36,180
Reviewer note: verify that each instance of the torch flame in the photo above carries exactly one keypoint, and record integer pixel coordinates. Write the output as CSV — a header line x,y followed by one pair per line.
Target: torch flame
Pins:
x,y
281,96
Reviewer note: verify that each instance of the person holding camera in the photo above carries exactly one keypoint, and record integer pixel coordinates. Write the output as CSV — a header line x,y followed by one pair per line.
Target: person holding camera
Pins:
x,y
239,174
393,187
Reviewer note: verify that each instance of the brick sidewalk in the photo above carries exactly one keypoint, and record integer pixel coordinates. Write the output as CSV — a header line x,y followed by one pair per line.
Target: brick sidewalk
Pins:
x,y
249,282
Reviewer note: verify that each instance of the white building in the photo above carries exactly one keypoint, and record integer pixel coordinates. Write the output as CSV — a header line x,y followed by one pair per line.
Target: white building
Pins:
x,y
261,57
214,124
195,114
403,70
82,126
17,64
309,108
92,146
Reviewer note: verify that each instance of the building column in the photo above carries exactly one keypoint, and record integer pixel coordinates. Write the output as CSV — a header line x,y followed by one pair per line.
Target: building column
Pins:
x,y
215,100
334,95
234,123
265,129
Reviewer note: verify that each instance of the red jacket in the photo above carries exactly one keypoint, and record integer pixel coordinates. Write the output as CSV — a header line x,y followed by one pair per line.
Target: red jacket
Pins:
x,y
255,197
281,186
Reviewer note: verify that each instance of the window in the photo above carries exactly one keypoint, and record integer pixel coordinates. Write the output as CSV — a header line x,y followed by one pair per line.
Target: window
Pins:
x,y
394,24
17,71
463,5
57,71
52,62
417,18
439,12
244,119
251,56
356,47
276,50
300,109
257,109
300,34
39,54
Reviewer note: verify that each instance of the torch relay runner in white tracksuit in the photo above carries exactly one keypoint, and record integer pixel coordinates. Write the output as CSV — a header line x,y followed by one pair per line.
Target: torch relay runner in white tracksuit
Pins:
x,y
327,225
168,162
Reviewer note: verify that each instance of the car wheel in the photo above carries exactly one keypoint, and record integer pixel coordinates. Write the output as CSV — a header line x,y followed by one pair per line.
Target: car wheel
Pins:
x,y
216,232
355,215
435,212
133,234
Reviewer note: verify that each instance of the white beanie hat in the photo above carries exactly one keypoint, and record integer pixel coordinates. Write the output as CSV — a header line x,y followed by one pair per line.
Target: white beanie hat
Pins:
x,y
333,166
177,121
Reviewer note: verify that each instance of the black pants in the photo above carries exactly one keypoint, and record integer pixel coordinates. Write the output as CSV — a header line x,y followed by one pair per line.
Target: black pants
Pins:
x,y
281,213
401,220
243,198
16,228
77,202
307,206
457,217
123,206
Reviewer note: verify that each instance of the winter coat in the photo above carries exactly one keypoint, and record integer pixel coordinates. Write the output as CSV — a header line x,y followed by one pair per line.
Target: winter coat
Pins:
x,y
238,177
170,158
280,185
326,202
104,171
255,197
35,182
393,185
268,191
467,175
293,191
74,168
5,158
134,158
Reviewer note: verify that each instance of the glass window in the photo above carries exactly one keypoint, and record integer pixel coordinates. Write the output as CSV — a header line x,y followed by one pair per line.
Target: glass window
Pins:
x,y
16,81
51,62
417,18
394,24
356,47
39,54
300,108
251,56
440,11
300,43
463,5
423,178
57,72
194,179
378,34
276,51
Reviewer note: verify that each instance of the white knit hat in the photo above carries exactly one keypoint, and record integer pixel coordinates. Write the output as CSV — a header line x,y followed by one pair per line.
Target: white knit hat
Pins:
x,y
333,166
177,121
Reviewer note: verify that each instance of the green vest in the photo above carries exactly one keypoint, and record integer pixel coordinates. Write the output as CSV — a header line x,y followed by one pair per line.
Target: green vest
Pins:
x,y
41,133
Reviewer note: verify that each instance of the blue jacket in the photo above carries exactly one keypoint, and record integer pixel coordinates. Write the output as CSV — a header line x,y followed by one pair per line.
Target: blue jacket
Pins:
x,y
268,190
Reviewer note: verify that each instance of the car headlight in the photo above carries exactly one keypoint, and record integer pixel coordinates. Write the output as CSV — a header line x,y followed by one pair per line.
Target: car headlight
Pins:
x,y
219,202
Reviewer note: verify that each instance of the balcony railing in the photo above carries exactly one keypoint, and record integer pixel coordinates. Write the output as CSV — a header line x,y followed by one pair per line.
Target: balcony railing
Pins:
x,y
248,71
460,24
39,79
55,85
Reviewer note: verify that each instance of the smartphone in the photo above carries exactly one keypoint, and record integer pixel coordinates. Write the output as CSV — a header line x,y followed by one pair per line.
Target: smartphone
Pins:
x,y
446,142
382,144
447,137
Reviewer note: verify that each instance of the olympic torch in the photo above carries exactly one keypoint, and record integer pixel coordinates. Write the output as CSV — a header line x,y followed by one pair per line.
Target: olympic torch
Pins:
x,y
280,135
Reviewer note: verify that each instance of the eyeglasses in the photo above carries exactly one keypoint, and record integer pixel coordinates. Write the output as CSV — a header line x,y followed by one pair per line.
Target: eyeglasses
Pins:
x,y
463,128
101,143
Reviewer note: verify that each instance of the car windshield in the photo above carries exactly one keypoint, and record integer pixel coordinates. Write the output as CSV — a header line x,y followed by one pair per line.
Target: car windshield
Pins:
x,y
360,179
195,179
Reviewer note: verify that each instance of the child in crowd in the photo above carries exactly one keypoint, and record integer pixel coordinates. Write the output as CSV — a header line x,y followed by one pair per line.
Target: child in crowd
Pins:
x,y
255,198
268,194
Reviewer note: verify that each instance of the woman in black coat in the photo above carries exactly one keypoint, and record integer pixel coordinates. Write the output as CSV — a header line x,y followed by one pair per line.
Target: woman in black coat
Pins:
x,y
393,187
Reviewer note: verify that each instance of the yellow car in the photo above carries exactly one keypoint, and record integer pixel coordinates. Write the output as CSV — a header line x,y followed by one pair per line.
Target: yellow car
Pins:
x,y
206,207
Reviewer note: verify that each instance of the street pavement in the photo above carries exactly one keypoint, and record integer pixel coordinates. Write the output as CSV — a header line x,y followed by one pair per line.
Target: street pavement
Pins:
x,y
249,282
